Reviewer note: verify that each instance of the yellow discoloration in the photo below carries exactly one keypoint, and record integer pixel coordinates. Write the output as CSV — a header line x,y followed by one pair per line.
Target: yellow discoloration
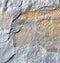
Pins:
x,y
52,26
35,14
32,15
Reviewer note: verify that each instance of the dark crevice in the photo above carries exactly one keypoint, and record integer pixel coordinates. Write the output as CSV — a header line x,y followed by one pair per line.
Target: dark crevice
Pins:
x,y
14,38
14,20
19,13
13,24
10,58
16,17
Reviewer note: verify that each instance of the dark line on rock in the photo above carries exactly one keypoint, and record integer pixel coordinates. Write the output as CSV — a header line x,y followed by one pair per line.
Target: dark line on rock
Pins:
x,y
16,17
10,58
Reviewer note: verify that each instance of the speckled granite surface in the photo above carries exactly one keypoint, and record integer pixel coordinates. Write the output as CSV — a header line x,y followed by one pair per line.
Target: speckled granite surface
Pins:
x,y
29,31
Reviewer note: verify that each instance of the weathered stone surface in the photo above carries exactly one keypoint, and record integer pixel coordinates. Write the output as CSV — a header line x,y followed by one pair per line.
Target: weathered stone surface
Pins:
x,y
34,53
17,31
32,5
39,26
6,46
10,9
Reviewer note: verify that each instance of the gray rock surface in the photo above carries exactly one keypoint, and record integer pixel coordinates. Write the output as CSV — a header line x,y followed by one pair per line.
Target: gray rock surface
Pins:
x,y
10,10
34,53
6,46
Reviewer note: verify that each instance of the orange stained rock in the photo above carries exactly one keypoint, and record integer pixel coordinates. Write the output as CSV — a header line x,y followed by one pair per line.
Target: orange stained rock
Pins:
x,y
52,26
31,15
37,13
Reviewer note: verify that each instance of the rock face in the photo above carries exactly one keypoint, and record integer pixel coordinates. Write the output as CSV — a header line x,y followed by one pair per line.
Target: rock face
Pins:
x,y
34,53
29,31
43,27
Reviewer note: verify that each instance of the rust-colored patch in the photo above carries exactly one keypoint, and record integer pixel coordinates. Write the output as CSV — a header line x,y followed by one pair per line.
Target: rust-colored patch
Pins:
x,y
52,26
37,13
49,37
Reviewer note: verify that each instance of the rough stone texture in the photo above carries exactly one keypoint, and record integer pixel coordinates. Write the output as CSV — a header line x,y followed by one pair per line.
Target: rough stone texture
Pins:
x,y
44,27
34,53
6,46
29,36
